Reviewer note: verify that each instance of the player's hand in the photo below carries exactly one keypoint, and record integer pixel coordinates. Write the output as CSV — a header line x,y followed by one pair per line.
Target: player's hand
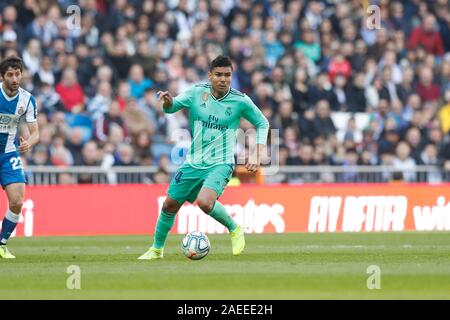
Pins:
x,y
24,145
166,97
253,163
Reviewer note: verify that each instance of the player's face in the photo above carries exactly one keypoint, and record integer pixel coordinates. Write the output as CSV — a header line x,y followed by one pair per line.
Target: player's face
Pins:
x,y
12,79
220,78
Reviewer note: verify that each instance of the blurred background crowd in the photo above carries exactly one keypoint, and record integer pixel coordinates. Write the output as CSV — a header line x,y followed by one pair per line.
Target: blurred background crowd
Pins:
x,y
341,89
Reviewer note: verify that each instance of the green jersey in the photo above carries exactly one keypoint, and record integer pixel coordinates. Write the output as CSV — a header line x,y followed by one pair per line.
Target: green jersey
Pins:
x,y
214,123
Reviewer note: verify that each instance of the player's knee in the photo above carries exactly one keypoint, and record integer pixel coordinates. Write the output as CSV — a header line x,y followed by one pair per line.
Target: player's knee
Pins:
x,y
205,204
170,207
16,204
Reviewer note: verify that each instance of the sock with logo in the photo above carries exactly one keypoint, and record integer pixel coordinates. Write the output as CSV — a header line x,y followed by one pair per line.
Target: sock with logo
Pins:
x,y
163,226
8,225
220,214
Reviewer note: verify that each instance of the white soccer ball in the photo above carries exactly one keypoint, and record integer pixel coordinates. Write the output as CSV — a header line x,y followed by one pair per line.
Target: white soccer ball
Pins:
x,y
195,245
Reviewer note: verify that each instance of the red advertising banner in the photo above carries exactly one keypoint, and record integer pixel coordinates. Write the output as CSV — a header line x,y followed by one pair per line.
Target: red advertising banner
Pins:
x,y
133,209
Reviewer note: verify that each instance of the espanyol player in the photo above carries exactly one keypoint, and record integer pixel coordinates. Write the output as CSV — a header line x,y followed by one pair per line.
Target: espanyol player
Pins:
x,y
15,103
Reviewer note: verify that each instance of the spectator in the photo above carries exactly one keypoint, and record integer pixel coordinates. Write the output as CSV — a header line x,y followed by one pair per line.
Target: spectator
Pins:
x,y
125,157
10,17
433,133
60,156
138,82
32,56
45,74
301,91
427,36
117,55
414,138
90,157
351,132
390,61
9,39
405,89
323,124
339,101
40,156
290,138
286,117
397,19
356,94
106,121
273,48
377,49
123,94
322,89
350,162
144,58
103,73
389,139
135,119
70,91
49,99
75,145
304,157
309,47
44,29
444,113
429,157
444,156
99,105
161,41
90,34
339,65
396,115
426,88
404,163
142,146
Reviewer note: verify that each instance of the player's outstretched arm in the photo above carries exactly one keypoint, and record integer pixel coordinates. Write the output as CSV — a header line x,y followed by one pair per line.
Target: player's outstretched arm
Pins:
x,y
166,98
27,144
173,104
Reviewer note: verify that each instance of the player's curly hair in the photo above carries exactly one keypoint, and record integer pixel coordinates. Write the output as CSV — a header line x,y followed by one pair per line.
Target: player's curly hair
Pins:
x,y
11,62
221,61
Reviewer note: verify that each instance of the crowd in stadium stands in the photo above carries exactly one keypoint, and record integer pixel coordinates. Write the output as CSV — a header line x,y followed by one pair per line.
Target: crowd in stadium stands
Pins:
x,y
341,90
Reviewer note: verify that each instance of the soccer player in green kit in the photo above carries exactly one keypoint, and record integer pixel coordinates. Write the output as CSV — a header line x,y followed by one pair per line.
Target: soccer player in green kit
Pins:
x,y
214,113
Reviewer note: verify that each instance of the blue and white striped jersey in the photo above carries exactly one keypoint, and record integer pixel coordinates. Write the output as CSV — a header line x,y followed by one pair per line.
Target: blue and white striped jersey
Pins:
x,y
12,109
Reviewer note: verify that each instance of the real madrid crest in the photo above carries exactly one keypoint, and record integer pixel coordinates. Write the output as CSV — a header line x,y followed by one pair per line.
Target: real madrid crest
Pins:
x,y
228,111
205,96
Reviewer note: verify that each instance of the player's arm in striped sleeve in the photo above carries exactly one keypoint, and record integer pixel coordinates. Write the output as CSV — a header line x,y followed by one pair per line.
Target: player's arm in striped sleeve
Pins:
x,y
252,113
31,120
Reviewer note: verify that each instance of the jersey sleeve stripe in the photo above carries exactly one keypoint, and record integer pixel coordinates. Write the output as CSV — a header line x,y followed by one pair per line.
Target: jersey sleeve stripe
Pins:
x,y
33,105
26,109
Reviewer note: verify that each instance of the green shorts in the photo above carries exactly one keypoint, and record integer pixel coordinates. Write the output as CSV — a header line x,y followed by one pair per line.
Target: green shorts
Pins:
x,y
188,180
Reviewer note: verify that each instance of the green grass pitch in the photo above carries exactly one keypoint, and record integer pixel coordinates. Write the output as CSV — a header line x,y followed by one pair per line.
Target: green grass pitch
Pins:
x,y
273,266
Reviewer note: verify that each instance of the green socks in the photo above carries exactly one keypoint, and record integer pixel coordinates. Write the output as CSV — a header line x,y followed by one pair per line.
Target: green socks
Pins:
x,y
166,220
163,226
220,214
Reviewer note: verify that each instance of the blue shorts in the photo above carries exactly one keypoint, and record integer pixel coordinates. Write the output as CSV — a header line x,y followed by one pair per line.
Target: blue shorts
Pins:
x,y
11,169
